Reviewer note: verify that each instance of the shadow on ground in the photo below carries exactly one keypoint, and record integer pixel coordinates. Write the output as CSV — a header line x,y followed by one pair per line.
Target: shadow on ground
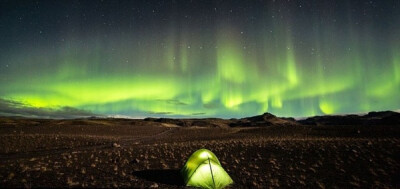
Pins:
x,y
164,176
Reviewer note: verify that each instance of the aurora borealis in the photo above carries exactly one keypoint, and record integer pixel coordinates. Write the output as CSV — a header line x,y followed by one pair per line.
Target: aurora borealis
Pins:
x,y
202,58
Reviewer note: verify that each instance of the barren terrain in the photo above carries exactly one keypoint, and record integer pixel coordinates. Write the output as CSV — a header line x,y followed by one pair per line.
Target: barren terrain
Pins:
x,y
149,153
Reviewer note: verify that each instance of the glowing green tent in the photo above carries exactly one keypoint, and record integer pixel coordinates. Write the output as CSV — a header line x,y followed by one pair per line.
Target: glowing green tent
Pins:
x,y
203,170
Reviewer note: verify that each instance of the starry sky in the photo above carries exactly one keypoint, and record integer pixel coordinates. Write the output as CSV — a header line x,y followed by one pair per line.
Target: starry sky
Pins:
x,y
200,58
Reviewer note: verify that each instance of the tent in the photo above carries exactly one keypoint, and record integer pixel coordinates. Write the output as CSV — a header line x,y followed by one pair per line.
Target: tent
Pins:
x,y
204,170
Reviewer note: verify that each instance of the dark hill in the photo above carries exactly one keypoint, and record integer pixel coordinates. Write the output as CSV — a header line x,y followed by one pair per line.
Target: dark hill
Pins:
x,y
265,119
372,118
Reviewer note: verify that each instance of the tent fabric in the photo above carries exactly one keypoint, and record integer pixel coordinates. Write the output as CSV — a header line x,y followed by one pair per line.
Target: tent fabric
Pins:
x,y
204,170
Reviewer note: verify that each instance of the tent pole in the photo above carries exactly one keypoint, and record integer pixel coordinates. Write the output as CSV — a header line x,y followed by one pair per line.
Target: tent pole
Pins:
x,y
212,175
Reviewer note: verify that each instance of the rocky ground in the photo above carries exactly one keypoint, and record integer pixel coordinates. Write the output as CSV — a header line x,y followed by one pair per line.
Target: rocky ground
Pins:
x,y
149,153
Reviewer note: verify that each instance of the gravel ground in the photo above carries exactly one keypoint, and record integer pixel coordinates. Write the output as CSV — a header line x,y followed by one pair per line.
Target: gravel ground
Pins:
x,y
151,156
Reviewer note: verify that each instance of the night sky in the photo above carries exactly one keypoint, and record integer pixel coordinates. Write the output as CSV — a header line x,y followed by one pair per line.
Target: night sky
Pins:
x,y
199,58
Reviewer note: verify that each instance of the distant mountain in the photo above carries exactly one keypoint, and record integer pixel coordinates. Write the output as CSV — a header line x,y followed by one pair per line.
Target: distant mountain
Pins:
x,y
205,122
265,119
372,118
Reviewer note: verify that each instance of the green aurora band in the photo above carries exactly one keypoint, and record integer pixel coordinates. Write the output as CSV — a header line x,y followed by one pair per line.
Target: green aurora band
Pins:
x,y
224,72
